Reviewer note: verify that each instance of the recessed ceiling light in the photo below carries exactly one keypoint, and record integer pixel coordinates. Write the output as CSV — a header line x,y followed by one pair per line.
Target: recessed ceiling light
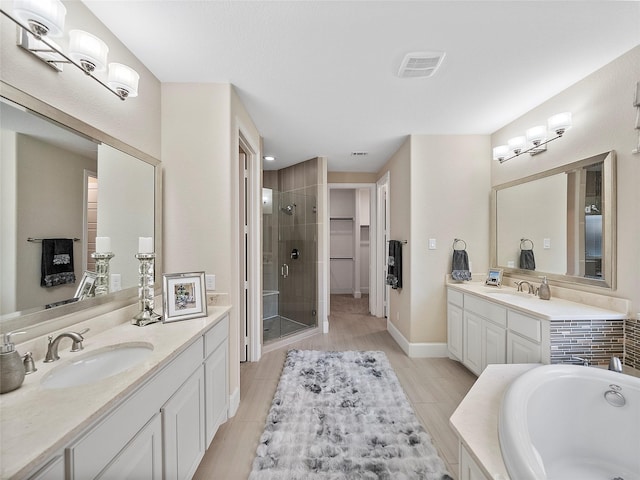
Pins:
x,y
269,158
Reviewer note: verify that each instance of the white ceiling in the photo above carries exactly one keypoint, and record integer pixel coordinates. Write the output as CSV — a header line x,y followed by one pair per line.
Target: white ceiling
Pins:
x,y
319,78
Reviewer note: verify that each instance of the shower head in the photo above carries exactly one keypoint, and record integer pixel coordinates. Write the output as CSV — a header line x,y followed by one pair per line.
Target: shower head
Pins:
x,y
288,209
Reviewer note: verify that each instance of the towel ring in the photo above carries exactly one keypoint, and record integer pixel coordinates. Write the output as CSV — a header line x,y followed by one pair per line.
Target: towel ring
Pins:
x,y
456,241
524,241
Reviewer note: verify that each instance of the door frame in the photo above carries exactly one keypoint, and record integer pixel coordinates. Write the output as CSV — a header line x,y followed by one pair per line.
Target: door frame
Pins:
x,y
251,146
384,222
374,289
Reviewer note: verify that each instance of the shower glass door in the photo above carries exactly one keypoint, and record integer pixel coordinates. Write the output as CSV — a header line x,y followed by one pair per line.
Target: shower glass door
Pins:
x,y
289,263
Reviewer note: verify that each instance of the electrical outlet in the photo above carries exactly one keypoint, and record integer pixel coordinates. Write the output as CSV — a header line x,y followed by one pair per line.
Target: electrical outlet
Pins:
x,y
432,244
210,281
116,282
212,299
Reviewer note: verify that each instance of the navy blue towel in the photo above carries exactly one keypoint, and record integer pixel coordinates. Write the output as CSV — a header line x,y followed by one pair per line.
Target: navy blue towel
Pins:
x,y
394,264
57,262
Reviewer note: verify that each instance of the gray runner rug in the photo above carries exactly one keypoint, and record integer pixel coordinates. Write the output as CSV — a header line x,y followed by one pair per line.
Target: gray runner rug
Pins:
x,y
343,415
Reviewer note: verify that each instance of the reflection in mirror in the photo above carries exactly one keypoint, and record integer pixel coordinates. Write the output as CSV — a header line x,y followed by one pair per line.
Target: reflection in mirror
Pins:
x,y
566,216
59,183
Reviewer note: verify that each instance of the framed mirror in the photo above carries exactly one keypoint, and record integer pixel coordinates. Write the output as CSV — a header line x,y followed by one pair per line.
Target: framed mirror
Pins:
x,y
62,178
560,223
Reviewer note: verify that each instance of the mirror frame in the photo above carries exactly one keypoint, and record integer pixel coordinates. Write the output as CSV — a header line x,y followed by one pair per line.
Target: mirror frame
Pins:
x,y
609,225
127,296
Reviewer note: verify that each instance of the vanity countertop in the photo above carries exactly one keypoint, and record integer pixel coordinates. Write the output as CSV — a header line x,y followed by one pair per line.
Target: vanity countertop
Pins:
x,y
553,309
36,423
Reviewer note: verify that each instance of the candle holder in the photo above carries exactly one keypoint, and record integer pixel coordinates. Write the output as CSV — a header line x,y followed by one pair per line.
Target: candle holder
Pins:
x,y
102,272
145,291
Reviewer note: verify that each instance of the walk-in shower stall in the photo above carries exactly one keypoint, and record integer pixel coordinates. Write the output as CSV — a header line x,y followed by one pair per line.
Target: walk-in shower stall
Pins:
x,y
289,260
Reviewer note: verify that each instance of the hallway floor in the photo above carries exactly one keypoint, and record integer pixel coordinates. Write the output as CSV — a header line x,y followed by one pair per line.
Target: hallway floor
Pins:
x,y
434,386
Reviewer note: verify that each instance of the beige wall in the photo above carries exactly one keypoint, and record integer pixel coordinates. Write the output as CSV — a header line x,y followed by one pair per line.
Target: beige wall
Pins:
x,y
351,177
135,121
42,170
439,188
201,172
603,120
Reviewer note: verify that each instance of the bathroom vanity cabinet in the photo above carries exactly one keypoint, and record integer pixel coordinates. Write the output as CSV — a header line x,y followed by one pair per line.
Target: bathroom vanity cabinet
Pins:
x,y
167,424
154,421
481,333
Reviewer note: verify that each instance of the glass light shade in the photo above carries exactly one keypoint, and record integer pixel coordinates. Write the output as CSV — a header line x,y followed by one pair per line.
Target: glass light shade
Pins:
x,y
44,17
88,50
536,135
560,122
500,152
516,144
123,79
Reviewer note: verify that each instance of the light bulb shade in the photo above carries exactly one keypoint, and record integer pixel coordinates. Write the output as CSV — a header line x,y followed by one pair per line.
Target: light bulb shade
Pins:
x,y
516,144
123,79
500,152
560,122
44,17
88,50
537,135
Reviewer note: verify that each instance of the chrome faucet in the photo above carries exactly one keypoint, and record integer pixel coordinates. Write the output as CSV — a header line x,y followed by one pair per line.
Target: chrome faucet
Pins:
x,y
52,347
615,365
532,289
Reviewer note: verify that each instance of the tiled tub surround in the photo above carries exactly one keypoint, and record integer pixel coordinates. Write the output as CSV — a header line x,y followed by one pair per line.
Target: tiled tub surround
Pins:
x,y
36,423
595,341
590,326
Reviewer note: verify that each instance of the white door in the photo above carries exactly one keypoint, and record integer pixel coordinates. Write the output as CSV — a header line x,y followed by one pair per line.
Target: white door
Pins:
x,y
383,246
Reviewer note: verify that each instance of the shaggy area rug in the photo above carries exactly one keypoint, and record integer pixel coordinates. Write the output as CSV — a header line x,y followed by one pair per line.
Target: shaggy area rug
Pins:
x,y
343,415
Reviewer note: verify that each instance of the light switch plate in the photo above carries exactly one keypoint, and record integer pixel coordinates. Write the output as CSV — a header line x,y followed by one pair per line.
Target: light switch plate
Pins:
x,y
210,281
432,244
115,282
547,243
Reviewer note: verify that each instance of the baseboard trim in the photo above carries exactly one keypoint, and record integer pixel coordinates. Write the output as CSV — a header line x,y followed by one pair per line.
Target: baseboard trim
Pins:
x,y
234,403
417,350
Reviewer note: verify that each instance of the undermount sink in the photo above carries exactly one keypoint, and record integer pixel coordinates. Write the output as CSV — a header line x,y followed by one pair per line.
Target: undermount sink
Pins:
x,y
97,365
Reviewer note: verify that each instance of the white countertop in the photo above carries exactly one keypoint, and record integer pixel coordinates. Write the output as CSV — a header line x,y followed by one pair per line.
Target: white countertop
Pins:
x,y
36,423
475,421
553,309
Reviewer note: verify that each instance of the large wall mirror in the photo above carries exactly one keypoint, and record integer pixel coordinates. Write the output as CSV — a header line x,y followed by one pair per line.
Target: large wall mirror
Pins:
x,y
61,178
560,223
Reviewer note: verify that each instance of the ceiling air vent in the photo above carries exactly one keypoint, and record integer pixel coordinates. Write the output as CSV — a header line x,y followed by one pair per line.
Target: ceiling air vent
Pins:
x,y
420,64
359,154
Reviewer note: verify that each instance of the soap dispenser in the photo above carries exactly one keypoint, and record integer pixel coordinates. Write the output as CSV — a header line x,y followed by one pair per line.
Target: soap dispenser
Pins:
x,y
11,365
544,292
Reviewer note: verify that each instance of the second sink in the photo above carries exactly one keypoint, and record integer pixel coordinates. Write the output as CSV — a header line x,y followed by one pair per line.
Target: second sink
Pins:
x,y
97,365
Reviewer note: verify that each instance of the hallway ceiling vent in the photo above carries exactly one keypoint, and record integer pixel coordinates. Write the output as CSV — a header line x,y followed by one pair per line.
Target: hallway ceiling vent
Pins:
x,y
359,154
420,64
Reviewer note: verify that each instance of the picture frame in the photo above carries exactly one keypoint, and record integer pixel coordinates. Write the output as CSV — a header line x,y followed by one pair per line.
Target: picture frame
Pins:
x,y
86,286
494,277
183,296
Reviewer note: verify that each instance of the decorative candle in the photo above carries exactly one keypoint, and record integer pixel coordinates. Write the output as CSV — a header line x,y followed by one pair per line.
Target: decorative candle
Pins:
x,y
145,245
103,244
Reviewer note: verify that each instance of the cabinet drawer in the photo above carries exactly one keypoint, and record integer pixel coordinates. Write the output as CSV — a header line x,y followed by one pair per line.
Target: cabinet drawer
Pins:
x,y
216,335
455,297
524,325
490,311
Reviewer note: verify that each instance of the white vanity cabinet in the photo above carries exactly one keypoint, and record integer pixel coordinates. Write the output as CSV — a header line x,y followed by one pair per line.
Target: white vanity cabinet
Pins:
x,y
468,468
482,332
162,429
455,304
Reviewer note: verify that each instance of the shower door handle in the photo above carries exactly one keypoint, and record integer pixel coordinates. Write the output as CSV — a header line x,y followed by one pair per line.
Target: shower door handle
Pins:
x,y
284,270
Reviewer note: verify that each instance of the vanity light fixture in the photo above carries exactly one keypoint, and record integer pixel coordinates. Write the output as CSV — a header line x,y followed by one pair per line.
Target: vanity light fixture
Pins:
x,y
39,20
536,138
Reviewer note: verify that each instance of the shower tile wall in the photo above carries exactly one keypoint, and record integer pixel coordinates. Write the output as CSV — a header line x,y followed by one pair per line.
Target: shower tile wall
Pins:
x,y
270,261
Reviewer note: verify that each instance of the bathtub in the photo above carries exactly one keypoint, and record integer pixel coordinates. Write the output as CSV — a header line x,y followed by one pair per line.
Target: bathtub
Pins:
x,y
571,422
